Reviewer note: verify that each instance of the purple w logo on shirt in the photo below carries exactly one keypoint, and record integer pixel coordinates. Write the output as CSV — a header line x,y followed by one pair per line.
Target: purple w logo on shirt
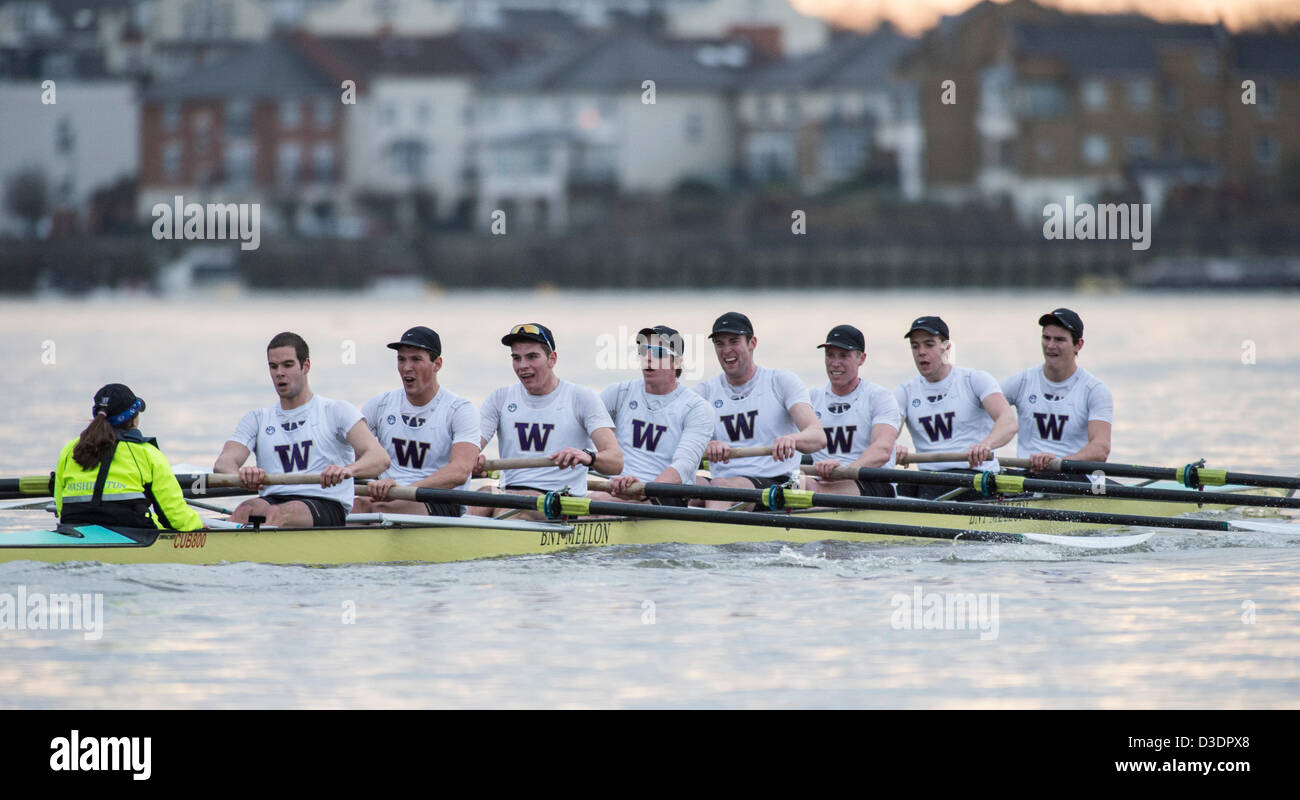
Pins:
x,y
533,436
646,436
291,458
840,440
938,426
1050,426
740,426
410,454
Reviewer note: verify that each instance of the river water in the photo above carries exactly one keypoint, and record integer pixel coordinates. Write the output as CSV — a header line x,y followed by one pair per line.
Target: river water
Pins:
x,y
1189,620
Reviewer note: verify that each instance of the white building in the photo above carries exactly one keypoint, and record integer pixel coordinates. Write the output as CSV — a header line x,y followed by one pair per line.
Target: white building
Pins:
x,y
583,120
83,142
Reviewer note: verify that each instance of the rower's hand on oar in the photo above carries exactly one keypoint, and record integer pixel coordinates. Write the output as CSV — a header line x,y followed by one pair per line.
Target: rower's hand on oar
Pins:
x,y
978,454
900,456
252,477
571,457
620,486
717,452
784,447
480,470
1041,462
333,475
825,468
379,488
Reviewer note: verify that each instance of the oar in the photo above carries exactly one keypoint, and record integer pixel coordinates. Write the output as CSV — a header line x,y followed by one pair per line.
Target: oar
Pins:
x,y
777,498
990,483
555,505
1191,475
39,486
493,464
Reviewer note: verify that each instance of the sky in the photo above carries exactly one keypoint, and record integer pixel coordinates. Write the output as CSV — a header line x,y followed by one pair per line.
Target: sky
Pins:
x,y
914,16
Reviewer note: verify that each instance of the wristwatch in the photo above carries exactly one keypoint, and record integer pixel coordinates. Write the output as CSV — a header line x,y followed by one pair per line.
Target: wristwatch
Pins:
x,y
591,453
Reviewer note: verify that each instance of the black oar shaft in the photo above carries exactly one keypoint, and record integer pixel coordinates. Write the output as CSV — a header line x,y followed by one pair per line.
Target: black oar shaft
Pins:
x,y
1172,474
940,507
1070,487
765,520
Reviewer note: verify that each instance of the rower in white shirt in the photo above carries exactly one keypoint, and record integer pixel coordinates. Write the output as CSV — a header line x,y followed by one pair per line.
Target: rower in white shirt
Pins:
x,y
303,432
1065,411
754,406
542,415
661,426
949,409
860,418
430,433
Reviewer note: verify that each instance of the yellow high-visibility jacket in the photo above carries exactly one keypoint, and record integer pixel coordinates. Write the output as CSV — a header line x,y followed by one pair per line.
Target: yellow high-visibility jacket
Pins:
x,y
138,479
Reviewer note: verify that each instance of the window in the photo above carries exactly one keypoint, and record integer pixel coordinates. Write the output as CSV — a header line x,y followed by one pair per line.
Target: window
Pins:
x,y
388,113
290,114
1210,118
239,163
770,156
423,113
764,110
65,139
1266,150
1265,99
1208,65
171,117
239,118
694,127
1042,100
324,114
1139,94
1138,146
322,162
288,163
843,155
408,158
172,162
1094,95
1096,150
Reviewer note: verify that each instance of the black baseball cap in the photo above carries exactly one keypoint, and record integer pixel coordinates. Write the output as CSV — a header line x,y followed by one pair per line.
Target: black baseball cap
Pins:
x,y
117,402
530,332
1066,319
930,325
732,322
422,337
669,336
847,337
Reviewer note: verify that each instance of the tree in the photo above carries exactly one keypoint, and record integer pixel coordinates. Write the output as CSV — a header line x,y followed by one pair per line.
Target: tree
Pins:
x,y
27,196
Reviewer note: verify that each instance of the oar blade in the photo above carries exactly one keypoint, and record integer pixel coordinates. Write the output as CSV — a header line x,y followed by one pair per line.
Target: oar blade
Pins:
x,y
1092,542
1255,526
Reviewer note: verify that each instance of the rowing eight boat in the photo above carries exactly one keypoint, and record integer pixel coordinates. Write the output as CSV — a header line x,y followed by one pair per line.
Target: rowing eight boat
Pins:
x,y
398,539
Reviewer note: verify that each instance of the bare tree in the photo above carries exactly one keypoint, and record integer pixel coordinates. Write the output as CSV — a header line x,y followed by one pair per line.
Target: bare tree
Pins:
x,y
27,196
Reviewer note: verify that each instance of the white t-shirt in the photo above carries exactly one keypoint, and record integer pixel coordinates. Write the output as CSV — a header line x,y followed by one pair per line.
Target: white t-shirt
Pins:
x,y
307,439
528,426
658,431
754,415
419,438
849,419
1054,417
948,416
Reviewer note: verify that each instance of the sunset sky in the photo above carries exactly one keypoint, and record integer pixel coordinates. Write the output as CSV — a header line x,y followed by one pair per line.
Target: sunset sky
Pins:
x,y
914,16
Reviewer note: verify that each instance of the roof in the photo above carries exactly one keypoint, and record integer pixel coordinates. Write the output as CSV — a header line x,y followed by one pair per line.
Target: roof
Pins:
x,y
1274,54
849,62
365,57
274,68
1099,44
617,61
